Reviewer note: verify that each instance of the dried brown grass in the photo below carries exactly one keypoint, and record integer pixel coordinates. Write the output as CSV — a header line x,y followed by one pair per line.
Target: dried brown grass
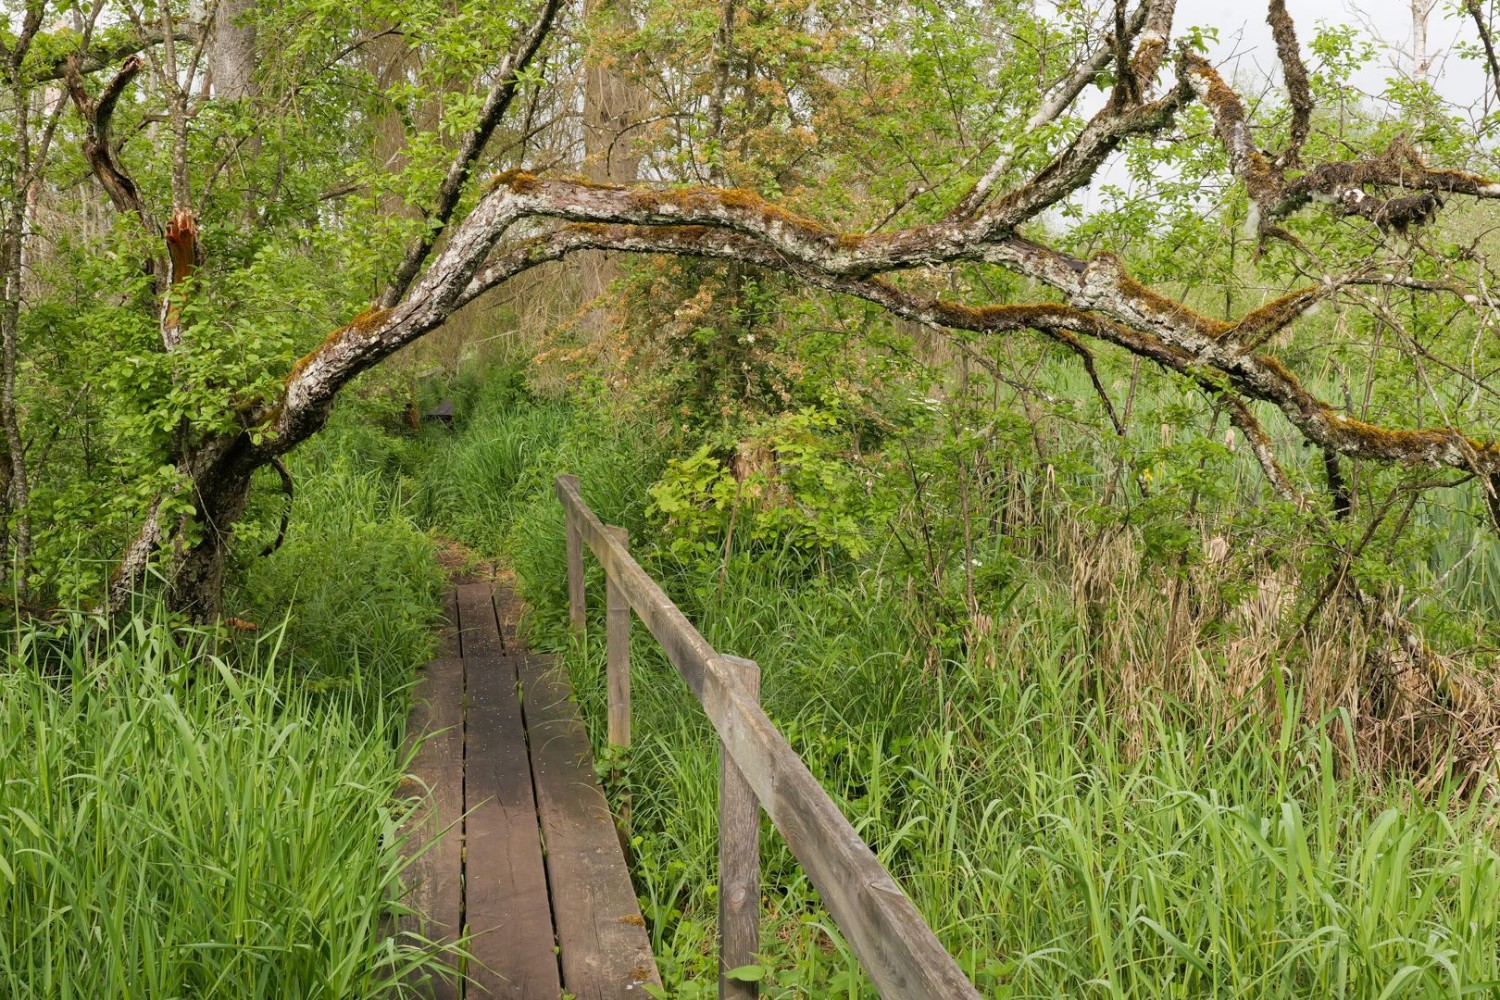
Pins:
x,y
1223,635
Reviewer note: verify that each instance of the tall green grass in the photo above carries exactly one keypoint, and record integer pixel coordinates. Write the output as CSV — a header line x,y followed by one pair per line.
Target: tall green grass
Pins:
x,y
178,822
1050,862
490,484
1056,849
187,815
356,584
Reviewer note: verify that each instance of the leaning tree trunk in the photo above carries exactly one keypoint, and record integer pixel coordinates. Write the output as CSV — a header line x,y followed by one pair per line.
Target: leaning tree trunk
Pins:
x,y
220,477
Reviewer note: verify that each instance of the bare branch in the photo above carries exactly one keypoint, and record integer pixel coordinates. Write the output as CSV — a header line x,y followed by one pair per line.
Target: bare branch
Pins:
x,y
1263,449
1117,121
97,147
1057,101
1338,486
287,489
15,55
1487,40
1071,340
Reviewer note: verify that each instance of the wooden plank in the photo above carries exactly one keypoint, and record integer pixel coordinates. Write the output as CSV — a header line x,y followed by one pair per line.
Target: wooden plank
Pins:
x,y
739,862
479,631
896,948
617,680
448,644
507,906
436,829
605,952
508,608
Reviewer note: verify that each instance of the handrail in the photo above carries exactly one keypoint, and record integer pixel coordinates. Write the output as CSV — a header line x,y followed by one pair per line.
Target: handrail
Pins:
x,y
896,948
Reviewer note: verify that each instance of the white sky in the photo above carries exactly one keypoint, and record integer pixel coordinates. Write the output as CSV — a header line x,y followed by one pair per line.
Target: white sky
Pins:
x,y
1245,40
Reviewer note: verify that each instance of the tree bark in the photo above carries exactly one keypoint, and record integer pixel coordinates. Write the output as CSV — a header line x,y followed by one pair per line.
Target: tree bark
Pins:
x,y
232,50
611,105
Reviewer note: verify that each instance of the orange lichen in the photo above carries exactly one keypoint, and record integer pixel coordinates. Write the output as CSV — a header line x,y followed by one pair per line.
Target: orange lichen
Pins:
x,y
363,323
1412,446
518,180
1156,302
1260,325
739,199
1228,113
998,317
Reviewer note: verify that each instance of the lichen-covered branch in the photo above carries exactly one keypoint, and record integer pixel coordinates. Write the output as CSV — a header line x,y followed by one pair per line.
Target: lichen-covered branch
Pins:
x,y
1104,303
1294,75
1058,100
1342,184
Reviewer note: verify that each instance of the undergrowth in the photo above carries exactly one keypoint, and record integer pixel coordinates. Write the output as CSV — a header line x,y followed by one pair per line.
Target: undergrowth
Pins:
x,y
1065,832
178,822
217,813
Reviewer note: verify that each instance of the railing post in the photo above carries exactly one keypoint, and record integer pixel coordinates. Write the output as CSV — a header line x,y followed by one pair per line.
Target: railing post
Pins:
x,y
576,611
739,861
617,638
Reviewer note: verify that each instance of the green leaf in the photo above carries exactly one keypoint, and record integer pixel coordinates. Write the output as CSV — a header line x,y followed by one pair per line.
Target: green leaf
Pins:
x,y
748,973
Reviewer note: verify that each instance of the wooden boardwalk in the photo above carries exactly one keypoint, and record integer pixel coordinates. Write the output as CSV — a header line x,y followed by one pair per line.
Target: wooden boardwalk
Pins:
x,y
527,863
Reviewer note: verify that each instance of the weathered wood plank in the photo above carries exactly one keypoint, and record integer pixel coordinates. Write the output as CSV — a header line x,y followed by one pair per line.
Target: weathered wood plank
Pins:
x,y
617,653
436,829
479,630
739,862
448,644
508,609
617,677
896,948
605,952
508,911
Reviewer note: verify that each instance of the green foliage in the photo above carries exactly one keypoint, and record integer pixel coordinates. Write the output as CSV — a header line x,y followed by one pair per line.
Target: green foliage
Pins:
x,y
1059,843
186,816
1011,641
1049,861
801,498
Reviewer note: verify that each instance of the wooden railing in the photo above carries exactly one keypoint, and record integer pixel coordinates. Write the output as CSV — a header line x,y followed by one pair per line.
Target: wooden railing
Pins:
x,y
757,767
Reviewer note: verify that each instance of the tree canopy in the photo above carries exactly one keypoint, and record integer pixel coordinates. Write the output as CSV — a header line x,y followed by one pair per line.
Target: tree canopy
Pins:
x,y
217,216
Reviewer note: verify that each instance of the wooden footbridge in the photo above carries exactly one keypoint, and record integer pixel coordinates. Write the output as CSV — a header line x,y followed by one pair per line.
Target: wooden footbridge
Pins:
x,y
524,868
